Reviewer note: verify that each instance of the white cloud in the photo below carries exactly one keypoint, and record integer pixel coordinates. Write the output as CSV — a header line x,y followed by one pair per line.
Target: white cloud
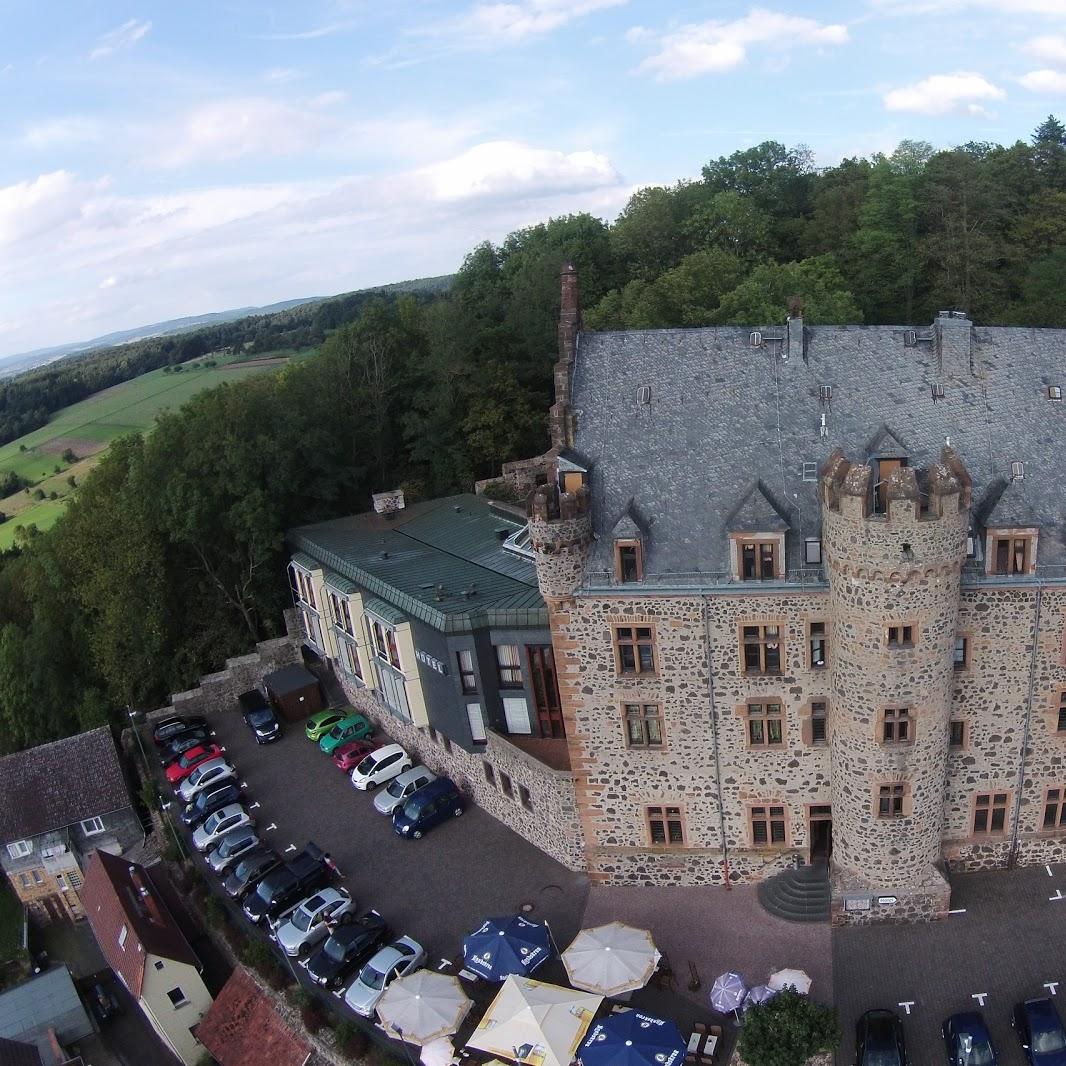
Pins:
x,y
487,24
120,38
941,7
1045,81
1050,48
714,46
62,132
30,209
108,282
944,94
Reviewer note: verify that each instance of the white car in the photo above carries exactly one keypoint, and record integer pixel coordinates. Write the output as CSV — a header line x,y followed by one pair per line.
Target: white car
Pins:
x,y
217,825
397,960
207,773
381,765
310,920
400,787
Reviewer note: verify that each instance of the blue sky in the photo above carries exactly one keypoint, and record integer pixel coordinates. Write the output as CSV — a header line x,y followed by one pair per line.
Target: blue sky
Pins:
x,y
158,160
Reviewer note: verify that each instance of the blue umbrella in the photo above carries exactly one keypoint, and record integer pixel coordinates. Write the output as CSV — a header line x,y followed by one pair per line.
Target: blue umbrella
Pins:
x,y
632,1039
728,992
505,946
759,994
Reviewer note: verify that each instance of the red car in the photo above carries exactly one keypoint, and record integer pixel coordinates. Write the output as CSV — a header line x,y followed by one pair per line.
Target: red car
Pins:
x,y
349,755
178,771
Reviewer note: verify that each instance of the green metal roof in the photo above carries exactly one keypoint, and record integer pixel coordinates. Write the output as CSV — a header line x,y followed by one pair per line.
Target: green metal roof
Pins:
x,y
441,561
385,611
340,584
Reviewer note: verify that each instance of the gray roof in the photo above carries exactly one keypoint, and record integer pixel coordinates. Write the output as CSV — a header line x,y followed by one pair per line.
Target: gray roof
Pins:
x,y
47,1001
724,416
441,561
55,785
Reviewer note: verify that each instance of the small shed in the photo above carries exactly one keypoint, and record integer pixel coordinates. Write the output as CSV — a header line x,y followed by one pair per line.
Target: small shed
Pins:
x,y
294,691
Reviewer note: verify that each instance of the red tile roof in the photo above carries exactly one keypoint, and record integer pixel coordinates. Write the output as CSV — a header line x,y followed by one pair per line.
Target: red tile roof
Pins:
x,y
243,1028
118,893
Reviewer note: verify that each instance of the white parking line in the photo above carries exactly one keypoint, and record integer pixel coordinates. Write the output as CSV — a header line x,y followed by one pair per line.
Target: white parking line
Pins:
x,y
253,806
980,997
1049,873
1052,987
906,1005
273,825
291,847
1056,897
244,784
960,910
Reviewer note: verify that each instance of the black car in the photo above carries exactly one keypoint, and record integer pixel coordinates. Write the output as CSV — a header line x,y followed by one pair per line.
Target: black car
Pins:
x,y
1040,1031
249,871
167,728
259,716
348,947
177,746
879,1039
288,885
213,798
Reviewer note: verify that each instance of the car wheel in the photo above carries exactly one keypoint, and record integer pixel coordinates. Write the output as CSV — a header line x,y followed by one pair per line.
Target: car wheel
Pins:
x,y
417,834
458,811
371,785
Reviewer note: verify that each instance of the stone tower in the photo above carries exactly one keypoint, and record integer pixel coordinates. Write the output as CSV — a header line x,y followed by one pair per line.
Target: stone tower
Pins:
x,y
894,594
560,532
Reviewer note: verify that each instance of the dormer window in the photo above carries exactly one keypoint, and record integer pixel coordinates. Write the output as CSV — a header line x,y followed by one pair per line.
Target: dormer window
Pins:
x,y
1011,553
628,561
759,560
882,470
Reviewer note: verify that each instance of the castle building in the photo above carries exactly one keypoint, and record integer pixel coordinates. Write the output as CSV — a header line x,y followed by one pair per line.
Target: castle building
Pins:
x,y
806,593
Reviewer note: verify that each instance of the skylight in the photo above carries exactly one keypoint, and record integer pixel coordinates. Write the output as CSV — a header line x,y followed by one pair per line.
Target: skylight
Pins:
x,y
518,543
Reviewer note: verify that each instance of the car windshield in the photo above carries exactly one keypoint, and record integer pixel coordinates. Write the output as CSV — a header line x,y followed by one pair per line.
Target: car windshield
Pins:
x,y
372,977
395,788
337,732
302,919
366,766
1049,1040
212,823
411,810
334,949
232,844
263,716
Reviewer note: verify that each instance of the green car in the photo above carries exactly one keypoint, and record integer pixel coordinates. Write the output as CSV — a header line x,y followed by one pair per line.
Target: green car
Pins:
x,y
321,723
354,727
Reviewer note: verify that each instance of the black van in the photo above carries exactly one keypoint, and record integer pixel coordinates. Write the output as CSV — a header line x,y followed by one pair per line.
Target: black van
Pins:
x,y
429,806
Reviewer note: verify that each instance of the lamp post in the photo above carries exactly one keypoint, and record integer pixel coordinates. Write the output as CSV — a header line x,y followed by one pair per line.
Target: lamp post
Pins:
x,y
137,733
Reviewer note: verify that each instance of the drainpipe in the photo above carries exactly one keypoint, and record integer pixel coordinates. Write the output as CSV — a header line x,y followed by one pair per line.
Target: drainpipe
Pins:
x,y
714,742
1012,855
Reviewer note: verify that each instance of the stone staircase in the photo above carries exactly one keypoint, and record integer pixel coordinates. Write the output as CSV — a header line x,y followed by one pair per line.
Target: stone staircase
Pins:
x,y
799,895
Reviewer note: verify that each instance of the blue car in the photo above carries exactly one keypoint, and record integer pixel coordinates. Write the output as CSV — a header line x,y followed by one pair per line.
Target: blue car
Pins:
x,y
968,1042
429,806
1040,1031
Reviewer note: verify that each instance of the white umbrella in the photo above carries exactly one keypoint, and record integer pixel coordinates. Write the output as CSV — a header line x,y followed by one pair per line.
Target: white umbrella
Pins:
x,y
423,1006
439,1052
797,979
611,959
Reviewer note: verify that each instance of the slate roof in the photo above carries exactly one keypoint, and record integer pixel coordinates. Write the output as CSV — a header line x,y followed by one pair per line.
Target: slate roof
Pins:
x,y
724,415
243,1028
46,1001
289,679
16,1053
112,899
55,785
441,561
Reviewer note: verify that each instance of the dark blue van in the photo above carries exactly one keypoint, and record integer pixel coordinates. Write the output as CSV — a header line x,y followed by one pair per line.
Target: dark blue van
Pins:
x,y
429,806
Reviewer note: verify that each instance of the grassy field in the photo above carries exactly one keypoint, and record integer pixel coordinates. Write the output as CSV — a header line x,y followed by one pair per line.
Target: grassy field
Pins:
x,y
86,428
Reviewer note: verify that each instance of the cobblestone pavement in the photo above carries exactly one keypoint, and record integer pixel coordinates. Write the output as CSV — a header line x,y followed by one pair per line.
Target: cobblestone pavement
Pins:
x,y
1009,941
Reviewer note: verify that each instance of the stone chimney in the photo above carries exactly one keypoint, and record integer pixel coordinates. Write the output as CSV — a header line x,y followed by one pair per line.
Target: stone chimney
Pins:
x,y
953,336
561,417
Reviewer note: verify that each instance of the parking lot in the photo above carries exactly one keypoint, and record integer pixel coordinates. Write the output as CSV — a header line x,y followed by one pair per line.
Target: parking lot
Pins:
x,y
1007,942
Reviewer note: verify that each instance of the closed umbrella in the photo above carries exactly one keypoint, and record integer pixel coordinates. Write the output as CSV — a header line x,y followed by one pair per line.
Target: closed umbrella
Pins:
x,y
759,994
728,992
505,946
423,1006
611,959
797,979
632,1039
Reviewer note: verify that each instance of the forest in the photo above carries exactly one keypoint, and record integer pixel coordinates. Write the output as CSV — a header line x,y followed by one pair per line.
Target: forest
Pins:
x,y
172,555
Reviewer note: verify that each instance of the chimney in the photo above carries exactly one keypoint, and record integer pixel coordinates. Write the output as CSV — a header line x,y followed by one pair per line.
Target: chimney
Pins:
x,y
561,420
953,336
388,504
795,328
145,898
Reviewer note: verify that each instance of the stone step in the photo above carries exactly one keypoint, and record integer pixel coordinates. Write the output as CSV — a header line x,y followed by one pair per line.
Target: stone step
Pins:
x,y
799,895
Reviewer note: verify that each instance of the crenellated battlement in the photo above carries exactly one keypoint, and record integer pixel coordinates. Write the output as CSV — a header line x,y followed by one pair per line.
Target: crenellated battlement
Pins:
x,y
560,532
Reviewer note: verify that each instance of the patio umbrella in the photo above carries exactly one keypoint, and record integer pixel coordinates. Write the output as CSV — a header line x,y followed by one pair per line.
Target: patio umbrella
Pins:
x,y
728,992
759,994
796,979
611,959
632,1039
534,1023
439,1052
423,1006
504,946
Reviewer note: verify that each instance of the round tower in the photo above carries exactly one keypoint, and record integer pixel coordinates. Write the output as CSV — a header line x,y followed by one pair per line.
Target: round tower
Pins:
x,y
560,532
894,594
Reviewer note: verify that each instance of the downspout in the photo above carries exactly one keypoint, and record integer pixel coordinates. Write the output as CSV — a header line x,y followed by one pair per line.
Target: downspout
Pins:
x,y
714,743
1012,855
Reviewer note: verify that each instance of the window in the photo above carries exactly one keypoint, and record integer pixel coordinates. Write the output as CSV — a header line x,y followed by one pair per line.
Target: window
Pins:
x,y
19,849
342,615
1017,471
961,655
505,785
810,471
490,774
467,676
122,934
628,561
812,551
761,649
899,636
509,665
518,543
896,725
819,721
524,797
304,587
765,725
989,812
1011,555
1054,809
516,715
634,649
666,827
937,390
1054,392
177,997
37,878
884,468
817,644
24,878
956,734
644,725
92,826
476,719
385,643
1060,724
890,800
767,826
159,964
758,560
350,661
545,690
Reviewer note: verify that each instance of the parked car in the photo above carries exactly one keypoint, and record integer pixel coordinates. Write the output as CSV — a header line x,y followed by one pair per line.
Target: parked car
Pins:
x,y
251,869
166,728
428,807
350,754
231,848
346,949
103,1002
354,727
213,798
259,716
283,887
381,765
180,768
311,921
217,825
879,1039
319,724
968,1041
177,746
1040,1031
396,793
207,773
400,958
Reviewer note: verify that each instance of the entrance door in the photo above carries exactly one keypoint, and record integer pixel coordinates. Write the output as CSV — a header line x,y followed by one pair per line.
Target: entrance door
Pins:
x,y
820,833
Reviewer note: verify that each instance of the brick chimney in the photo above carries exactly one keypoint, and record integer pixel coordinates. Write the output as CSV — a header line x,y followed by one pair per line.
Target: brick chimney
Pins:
x,y
561,417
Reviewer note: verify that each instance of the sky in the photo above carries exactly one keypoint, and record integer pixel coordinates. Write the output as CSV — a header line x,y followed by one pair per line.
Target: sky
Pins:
x,y
161,160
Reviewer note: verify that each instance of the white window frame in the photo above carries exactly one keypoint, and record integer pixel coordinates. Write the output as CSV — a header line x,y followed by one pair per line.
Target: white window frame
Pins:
x,y
351,664
92,826
341,611
122,934
812,551
19,849
182,1002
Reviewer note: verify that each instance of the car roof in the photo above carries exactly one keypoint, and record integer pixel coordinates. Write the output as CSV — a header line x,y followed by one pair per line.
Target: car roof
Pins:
x,y
389,749
319,716
1043,1007
386,958
438,786
410,775
351,718
240,833
225,812
218,760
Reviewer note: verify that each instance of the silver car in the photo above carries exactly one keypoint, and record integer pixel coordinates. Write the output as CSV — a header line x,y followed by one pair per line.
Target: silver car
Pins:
x,y
217,825
207,773
310,920
231,847
397,960
399,788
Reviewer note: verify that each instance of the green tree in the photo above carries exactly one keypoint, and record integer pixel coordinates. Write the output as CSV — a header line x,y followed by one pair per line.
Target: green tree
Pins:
x,y
787,1030
764,296
733,223
1049,152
